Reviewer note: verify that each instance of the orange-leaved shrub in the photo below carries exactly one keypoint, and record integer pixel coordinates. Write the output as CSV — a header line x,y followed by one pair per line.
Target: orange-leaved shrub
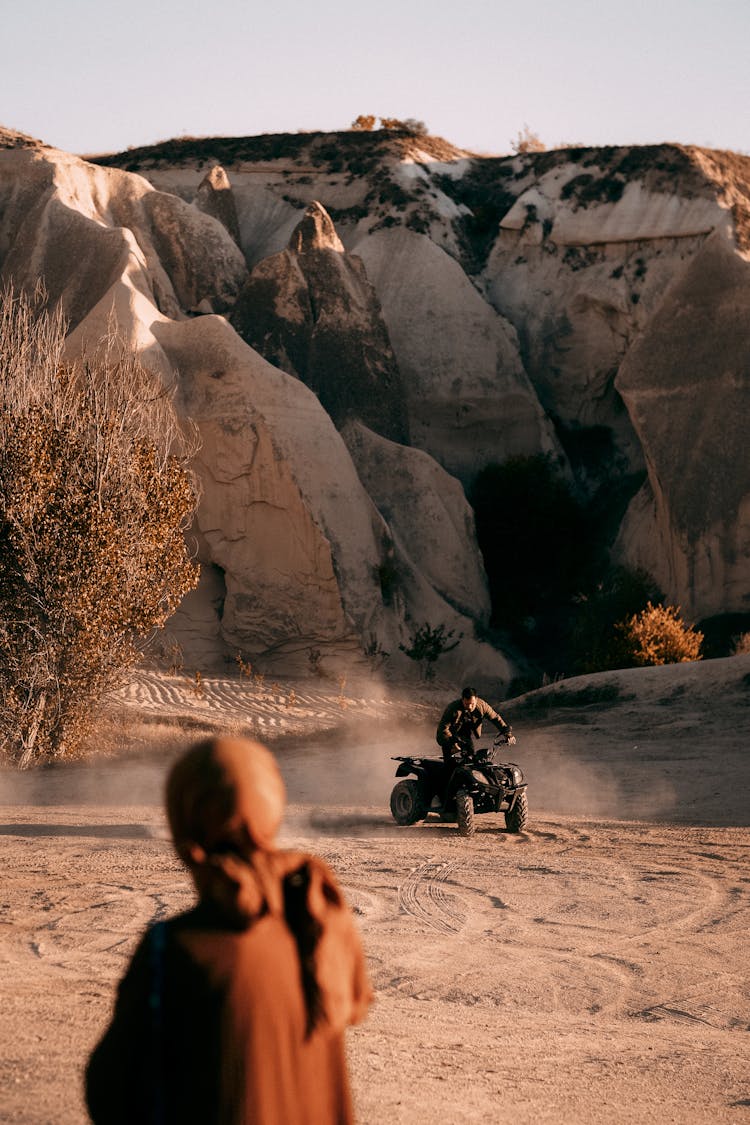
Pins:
x,y
95,498
658,635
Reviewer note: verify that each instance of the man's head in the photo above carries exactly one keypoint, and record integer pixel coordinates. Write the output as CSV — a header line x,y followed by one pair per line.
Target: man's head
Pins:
x,y
469,698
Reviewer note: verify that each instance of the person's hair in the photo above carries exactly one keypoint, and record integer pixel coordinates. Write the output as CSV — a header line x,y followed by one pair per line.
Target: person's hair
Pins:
x,y
468,692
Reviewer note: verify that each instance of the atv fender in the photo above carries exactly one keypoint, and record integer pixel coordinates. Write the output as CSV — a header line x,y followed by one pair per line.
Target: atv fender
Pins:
x,y
513,797
407,768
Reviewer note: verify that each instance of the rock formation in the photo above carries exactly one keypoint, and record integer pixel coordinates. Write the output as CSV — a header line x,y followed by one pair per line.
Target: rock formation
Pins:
x,y
627,276
296,558
428,516
311,311
215,197
50,201
686,385
468,397
448,312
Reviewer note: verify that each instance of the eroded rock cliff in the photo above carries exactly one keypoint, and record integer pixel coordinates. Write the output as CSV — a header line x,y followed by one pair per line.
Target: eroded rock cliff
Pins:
x,y
421,313
297,560
530,302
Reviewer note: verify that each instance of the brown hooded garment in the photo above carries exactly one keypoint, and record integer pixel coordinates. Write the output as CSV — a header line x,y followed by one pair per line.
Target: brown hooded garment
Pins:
x,y
234,1013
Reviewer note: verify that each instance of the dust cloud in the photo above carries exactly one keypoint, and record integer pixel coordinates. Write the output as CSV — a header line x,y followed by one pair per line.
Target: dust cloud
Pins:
x,y
120,784
347,769
563,781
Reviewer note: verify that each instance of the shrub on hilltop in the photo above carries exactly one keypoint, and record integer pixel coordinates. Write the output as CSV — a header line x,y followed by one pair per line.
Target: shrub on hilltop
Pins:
x,y
527,141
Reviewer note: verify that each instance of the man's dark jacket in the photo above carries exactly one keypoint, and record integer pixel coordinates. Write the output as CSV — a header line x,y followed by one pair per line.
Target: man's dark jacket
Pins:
x,y
458,725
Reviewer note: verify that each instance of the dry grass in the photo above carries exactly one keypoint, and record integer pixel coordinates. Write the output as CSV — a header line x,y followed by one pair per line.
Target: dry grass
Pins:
x,y
117,734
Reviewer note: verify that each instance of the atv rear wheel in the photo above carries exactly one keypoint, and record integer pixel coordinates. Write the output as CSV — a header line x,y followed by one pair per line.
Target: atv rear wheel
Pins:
x,y
407,803
517,817
465,813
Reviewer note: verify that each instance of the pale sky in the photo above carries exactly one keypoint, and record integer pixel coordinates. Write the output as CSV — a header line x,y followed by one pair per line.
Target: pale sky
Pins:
x,y
89,77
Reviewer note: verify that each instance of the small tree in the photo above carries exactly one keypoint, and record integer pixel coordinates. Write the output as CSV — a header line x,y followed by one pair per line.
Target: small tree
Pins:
x,y
526,141
95,497
658,635
427,645
364,123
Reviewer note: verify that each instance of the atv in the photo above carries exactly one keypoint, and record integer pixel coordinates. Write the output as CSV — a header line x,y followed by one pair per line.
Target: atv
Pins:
x,y
479,783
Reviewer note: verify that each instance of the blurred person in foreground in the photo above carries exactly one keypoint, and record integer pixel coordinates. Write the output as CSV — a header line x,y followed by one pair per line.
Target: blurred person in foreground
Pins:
x,y
234,1012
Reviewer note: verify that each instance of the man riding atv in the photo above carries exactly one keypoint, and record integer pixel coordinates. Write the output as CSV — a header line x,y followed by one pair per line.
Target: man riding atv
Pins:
x,y
469,779
461,723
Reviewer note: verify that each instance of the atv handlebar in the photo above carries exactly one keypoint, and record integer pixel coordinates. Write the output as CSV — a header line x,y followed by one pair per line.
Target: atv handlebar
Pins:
x,y
505,737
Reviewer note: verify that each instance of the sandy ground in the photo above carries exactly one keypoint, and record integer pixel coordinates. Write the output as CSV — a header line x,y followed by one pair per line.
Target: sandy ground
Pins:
x,y
591,969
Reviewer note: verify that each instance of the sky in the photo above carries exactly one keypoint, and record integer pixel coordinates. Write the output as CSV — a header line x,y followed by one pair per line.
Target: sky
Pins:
x,y
91,77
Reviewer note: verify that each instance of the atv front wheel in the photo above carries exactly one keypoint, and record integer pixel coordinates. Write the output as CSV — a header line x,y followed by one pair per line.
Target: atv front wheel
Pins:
x,y
516,818
465,813
407,803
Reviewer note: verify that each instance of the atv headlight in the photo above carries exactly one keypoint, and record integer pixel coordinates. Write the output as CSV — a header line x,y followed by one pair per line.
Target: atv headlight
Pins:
x,y
516,775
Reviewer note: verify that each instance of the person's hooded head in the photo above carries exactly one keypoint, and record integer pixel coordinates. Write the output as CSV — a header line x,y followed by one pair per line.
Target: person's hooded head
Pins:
x,y
225,802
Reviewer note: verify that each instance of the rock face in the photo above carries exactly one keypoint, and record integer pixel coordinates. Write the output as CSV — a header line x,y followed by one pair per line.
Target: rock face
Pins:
x,y
49,207
214,196
296,559
468,397
283,516
428,516
686,385
410,314
311,311
580,262
630,297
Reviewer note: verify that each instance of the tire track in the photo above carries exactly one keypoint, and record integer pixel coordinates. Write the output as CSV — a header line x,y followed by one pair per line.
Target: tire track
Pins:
x,y
423,897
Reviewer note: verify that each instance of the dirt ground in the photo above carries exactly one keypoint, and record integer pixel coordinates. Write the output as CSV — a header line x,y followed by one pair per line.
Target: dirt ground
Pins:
x,y
591,969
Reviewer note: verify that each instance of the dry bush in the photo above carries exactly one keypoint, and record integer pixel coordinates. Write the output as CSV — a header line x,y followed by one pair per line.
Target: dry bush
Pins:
x,y
527,141
741,645
95,497
658,635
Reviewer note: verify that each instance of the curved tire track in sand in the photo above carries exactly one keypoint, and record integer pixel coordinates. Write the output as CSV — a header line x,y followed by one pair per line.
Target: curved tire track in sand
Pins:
x,y
422,896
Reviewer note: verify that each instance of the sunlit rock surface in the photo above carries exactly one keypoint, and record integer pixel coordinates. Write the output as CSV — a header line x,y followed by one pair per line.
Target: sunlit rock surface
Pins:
x,y
449,311
294,552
